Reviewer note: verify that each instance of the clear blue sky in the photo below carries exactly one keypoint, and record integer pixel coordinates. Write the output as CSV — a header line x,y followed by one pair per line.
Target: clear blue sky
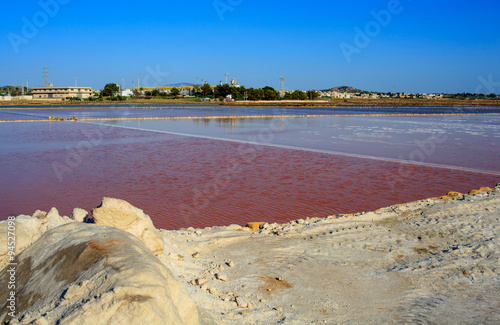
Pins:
x,y
421,46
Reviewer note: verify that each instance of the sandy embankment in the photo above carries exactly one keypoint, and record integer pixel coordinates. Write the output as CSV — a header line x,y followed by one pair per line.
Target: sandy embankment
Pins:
x,y
429,261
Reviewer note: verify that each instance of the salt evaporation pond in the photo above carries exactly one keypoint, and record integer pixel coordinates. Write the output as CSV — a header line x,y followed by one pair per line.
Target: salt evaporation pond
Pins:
x,y
219,171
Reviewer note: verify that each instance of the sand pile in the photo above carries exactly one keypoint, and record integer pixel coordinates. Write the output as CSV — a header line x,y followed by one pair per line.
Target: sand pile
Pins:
x,y
430,261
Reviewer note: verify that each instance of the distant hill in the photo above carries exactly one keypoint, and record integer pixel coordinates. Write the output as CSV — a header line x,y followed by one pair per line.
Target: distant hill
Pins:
x,y
11,87
344,89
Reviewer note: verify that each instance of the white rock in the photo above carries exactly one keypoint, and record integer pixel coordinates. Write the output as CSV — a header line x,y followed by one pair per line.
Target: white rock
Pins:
x,y
52,214
78,214
201,282
75,291
242,303
122,215
234,227
53,219
39,214
41,321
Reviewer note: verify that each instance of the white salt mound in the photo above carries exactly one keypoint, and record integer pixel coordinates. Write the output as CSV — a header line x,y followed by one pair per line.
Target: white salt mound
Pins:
x,y
88,274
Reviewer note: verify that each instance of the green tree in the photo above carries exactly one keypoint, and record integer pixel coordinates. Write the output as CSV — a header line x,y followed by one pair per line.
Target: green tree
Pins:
x,y
175,92
197,90
297,95
206,89
270,93
312,94
222,91
238,93
255,94
110,90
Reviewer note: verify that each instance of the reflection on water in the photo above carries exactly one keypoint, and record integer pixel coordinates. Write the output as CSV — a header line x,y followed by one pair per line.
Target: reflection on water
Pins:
x,y
238,170
130,111
464,141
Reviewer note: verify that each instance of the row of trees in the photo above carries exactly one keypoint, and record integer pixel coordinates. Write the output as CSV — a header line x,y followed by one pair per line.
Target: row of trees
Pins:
x,y
14,91
220,92
300,95
243,93
471,96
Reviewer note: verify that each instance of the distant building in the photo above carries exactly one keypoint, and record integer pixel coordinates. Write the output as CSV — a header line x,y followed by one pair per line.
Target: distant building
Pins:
x,y
184,91
234,83
61,92
127,93
6,97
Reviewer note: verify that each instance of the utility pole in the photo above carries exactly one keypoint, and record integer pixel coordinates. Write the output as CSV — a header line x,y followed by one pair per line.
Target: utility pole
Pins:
x,y
282,89
123,84
197,81
76,79
227,74
27,88
138,78
46,73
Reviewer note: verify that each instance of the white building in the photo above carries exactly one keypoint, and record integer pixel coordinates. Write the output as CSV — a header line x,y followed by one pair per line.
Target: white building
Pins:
x,y
127,93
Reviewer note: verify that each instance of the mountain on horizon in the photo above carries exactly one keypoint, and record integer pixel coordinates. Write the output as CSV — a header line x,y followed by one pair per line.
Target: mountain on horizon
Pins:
x,y
10,87
344,89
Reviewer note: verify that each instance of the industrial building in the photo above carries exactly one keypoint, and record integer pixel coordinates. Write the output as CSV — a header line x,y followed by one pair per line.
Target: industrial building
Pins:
x,y
61,92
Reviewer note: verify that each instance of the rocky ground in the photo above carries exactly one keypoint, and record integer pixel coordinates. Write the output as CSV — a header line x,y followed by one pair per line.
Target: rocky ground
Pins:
x,y
430,261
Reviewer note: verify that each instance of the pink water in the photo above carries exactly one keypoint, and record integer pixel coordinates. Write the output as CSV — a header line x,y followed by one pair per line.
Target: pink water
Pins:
x,y
182,181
